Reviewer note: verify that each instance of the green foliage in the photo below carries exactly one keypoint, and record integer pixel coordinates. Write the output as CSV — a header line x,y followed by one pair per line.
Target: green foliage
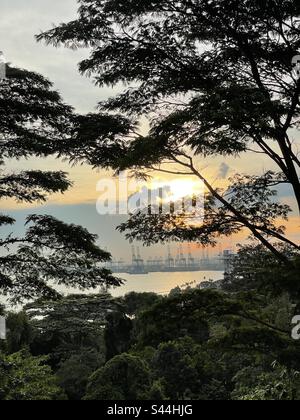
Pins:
x,y
192,345
106,359
134,303
157,391
27,378
175,317
217,80
257,269
174,363
71,327
117,334
19,333
125,377
275,385
74,373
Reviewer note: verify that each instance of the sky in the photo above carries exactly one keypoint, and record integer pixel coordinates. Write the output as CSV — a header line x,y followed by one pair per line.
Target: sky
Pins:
x,y
19,21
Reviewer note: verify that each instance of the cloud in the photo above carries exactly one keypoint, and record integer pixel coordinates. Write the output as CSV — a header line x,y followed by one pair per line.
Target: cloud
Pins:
x,y
20,21
223,171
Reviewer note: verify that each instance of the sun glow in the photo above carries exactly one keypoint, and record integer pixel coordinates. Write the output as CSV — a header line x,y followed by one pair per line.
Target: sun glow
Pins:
x,y
185,188
179,190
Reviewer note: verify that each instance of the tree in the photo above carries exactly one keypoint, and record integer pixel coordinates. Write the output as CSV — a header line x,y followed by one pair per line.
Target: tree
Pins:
x,y
34,122
175,365
176,317
125,377
117,333
19,332
248,323
26,378
255,268
77,334
74,373
218,79
277,384
157,391
134,303
71,327
190,371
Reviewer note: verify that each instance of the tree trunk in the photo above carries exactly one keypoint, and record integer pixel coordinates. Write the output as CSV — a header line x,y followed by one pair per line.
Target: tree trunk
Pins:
x,y
292,172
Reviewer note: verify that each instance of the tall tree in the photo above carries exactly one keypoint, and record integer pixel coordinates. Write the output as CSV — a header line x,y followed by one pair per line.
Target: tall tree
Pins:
x,y
125,377
70,326
217,78
27,378
34,122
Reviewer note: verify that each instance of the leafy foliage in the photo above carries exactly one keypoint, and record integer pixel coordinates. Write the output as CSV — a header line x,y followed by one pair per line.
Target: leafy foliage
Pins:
x,y
26,378
277,385
125,377
35,122
256,269
52,252
216,79
196,344
74,373
70,327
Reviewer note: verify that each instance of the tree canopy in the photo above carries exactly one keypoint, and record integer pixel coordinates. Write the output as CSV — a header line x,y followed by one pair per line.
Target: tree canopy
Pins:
x,y
216,78
190,345
27,378
35,122
124,377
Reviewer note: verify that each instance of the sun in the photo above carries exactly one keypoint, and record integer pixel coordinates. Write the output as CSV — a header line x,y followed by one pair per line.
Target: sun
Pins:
x,y
179,188
182,188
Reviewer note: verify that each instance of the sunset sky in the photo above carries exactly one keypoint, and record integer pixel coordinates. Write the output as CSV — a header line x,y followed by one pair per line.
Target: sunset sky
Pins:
x,y
19,22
